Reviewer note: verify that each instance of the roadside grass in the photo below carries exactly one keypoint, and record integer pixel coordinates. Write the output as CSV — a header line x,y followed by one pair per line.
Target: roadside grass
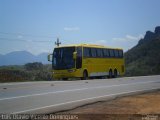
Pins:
x,y
23,73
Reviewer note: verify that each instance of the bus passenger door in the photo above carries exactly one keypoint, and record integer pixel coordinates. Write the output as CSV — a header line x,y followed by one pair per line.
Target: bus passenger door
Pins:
x,y
79,58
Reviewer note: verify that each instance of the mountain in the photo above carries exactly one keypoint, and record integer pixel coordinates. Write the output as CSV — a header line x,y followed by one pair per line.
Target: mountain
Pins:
x,y
22,57
144,58
43,58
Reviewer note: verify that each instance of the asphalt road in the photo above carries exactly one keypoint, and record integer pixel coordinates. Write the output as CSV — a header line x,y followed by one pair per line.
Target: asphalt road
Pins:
x,y
49,97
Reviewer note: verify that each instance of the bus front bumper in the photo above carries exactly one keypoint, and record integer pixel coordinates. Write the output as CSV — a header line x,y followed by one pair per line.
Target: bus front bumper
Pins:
x,y
70,73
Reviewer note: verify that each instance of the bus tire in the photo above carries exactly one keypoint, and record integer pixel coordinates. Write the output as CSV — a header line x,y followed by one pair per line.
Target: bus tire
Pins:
x,y
115,73
110,74
85,75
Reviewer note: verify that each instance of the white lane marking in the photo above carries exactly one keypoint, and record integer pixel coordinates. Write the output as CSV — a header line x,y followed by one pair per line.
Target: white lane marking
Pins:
x,y
29,110
76,90
26,83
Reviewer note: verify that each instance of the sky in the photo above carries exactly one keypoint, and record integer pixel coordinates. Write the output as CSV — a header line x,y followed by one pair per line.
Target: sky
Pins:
x,y
34,25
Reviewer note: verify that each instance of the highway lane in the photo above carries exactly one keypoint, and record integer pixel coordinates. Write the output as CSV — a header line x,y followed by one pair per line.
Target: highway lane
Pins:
x,y
27,88
47,97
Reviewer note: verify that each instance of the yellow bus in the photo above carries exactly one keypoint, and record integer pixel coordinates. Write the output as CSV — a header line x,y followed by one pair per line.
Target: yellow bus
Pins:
x,y
85,61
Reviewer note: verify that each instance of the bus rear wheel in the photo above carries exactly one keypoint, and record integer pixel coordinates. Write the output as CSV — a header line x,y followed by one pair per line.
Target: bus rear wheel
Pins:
x,y
110,74
115,73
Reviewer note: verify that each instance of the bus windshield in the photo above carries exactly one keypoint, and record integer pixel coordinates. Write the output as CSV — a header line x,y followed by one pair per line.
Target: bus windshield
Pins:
x,y
63,58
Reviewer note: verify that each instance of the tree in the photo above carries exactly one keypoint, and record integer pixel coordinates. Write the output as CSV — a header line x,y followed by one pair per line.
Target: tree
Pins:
x,y
34,66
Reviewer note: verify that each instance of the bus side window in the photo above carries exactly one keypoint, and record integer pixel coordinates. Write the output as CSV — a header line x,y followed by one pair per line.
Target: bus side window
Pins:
x,y
106,52
111,52
99,52
116,53
120,53
93,52
87,52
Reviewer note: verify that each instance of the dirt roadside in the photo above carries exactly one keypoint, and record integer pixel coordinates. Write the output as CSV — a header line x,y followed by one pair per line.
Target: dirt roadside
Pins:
x,y
142,104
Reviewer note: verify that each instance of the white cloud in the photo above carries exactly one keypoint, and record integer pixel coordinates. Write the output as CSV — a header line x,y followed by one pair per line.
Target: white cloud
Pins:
x,y
119,39
101,42
128,38
71,28
125,42
97,42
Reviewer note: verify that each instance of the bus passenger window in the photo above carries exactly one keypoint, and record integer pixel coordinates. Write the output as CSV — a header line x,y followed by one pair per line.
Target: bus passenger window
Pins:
x,y
120,53
111,53
99,52
116,53
106,52
86,52
93,52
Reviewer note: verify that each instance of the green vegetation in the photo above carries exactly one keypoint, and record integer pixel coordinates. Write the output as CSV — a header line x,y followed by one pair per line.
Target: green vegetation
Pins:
x,y
28,72
144,58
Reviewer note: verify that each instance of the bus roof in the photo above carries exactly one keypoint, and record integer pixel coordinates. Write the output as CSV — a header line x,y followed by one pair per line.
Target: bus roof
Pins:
x,y
87,45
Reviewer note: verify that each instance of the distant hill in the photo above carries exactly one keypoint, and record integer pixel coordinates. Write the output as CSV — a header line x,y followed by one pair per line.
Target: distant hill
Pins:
x,y
21,58
144,58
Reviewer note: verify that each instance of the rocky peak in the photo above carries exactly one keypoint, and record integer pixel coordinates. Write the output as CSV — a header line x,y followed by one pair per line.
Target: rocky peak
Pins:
x,y
150,35
157,30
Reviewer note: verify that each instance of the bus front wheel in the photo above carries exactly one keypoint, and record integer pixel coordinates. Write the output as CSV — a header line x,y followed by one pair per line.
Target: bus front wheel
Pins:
x,y
85,75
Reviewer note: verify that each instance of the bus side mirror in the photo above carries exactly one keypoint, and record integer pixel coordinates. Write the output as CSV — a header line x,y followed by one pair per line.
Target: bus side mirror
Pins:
x,y
74,55
50,57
